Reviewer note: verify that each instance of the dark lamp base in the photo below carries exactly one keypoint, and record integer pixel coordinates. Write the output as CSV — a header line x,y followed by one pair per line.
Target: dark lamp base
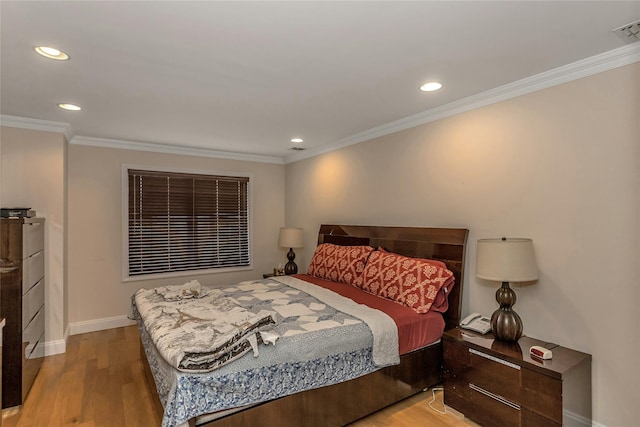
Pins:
x,y
290,267
506,325
505,322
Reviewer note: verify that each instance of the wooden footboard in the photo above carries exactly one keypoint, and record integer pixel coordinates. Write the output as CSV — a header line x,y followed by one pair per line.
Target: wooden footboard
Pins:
x,y
338,404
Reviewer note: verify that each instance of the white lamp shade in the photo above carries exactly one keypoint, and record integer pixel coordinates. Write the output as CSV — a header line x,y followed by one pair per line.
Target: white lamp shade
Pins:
x,y
291,237
506,260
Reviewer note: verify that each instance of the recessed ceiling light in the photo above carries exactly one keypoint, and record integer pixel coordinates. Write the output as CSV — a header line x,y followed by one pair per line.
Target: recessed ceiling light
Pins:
x,y
430,87
51,52
70,107
297,140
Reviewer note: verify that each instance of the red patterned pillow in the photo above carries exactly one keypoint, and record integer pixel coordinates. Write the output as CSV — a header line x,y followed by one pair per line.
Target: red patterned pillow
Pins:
x,y
413,282
441,301
342,264
430,261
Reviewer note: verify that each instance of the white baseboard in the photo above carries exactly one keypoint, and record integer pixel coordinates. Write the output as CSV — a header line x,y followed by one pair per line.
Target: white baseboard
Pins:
x,y
51,348
55,347
99,325
576,420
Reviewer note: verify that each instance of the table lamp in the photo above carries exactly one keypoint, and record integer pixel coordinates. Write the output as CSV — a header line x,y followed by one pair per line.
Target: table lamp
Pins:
x,y
291,237
506,260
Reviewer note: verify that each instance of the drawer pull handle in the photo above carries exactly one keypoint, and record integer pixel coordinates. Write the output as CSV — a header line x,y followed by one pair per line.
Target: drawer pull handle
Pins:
x,y
495,359
494,396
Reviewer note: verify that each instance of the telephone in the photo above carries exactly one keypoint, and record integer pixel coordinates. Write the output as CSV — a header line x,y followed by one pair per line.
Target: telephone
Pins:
x,y
476,322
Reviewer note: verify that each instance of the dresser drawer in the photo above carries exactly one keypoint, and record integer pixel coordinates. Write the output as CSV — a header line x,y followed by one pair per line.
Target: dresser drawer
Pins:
x,y
31,302
32,238
31,362
31,350
33,332
32,270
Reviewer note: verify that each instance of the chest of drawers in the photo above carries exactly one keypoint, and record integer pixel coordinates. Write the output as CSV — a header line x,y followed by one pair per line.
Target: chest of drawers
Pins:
x,y
499,384
22,290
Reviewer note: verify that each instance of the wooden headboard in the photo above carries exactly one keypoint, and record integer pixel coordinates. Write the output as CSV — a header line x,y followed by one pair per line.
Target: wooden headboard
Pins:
x,y
444,244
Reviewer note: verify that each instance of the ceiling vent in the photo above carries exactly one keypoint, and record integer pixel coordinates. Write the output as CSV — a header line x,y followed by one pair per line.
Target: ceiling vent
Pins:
x,y
629,33
298,148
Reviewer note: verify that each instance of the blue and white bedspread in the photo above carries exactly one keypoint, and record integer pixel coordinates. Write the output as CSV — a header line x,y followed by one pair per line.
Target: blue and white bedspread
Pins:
x,y
323,339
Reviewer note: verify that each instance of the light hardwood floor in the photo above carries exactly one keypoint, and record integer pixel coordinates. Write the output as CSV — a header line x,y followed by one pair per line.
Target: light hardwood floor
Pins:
x,y
100,382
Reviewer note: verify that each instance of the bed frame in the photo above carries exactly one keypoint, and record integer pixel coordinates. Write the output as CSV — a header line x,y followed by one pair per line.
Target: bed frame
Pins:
x,y
342,403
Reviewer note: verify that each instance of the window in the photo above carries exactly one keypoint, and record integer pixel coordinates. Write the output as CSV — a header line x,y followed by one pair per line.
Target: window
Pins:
x,y
179,222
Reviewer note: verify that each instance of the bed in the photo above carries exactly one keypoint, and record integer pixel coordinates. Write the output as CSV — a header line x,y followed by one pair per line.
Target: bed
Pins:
x,y
344,402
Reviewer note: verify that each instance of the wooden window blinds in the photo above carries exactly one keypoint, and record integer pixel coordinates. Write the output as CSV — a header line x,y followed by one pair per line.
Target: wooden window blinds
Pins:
x,y
185,222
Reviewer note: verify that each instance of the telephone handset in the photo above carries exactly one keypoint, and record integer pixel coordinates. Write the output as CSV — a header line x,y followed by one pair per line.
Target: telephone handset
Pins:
x,y
476,322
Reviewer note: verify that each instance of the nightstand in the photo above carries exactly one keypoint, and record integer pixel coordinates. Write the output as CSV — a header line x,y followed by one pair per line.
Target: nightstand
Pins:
x,y
499,384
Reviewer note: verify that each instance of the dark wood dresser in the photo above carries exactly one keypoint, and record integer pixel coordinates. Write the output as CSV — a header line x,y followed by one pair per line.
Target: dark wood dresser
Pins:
x,y
499,384
22,304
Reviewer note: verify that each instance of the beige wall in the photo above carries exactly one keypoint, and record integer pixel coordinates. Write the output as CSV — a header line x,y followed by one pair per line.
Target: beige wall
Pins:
x,y
33,175
96,289
559,166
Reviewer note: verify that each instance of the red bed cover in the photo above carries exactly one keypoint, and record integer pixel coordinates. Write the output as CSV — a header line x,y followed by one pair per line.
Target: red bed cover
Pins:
x,y
414,330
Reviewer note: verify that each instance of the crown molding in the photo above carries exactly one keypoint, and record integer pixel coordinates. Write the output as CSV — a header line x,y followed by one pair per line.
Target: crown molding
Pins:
x,y
596,64
173,149
65,128
37,124
606,61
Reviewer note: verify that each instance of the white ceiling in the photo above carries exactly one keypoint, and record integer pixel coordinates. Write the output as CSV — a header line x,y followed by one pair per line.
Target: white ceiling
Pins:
x,y
246,77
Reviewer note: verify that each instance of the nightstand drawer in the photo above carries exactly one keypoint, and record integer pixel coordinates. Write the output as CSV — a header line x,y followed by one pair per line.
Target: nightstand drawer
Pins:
x,y
467,365
492,411
494,375
531,419
485,408
457,353
540,392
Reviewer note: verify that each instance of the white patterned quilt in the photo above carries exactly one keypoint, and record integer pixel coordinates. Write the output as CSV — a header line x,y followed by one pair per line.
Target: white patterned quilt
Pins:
x,y
197,329
322,339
